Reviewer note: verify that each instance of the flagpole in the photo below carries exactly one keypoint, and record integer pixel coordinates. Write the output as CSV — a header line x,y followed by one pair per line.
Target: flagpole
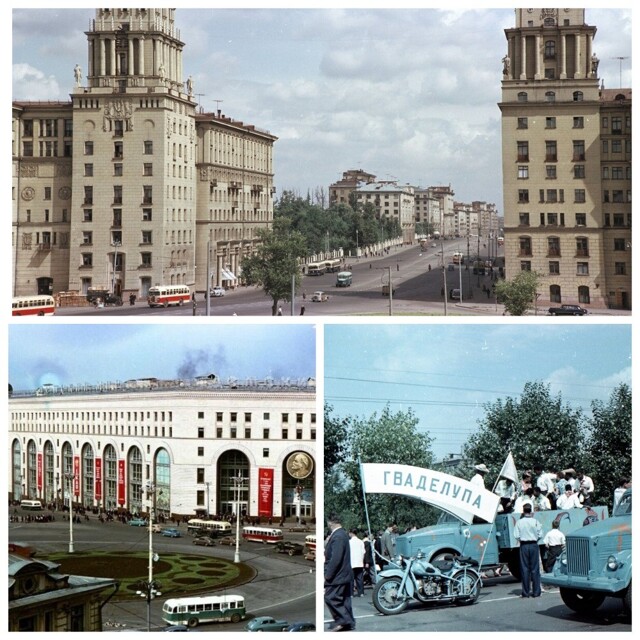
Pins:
x,y
366,515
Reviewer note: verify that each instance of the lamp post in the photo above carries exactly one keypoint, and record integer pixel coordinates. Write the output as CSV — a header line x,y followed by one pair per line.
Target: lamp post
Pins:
x,y
150,588
70,478
238,480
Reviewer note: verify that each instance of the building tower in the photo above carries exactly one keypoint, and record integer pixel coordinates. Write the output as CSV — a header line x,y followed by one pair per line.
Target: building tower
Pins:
x,y
556,166
133,218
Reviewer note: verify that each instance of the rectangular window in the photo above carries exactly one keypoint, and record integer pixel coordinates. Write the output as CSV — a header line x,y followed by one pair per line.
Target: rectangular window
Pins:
x,y
147,215
265,453
247,417
298,434
579,195
88,195
117,194
618,220
87,259
551,171
145,259
200,475
523,195
87,215
551,151
147,196
554,268
200,415
578,122
265,434
285,434
266,416
619,244
299,418
200,452
285,417
552,195
582,269
605,173
117,169
200,432
621,268
147,237
234,416
88,170
617,173
616,125
581,219
582,247
87,237
550,122
523,123
523,151
218,432
118,149
578,171
525,265
552,218
218,416
88,148
523,172
618,196
524,219
117,218
147,169
578,151
148,147
200,498
616,146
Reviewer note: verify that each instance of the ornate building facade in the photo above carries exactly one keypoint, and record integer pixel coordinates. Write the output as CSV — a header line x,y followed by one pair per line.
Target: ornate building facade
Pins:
x,y
566,161
129,185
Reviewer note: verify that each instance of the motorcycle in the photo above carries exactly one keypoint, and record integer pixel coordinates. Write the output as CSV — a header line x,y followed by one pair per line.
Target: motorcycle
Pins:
x,y
452,579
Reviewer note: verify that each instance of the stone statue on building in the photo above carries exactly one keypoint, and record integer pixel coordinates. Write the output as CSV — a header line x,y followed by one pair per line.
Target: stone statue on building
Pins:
x,y
161,71
77,74
506,66
594,64
190,86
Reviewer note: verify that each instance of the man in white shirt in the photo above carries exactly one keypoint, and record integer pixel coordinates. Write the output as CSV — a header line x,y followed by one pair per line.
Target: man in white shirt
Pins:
x,y
569,500
586,489
478,479
525,498
554,542
356,547
540,501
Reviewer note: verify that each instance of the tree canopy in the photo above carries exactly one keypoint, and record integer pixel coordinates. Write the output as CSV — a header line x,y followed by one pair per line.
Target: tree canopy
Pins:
x,y
518,295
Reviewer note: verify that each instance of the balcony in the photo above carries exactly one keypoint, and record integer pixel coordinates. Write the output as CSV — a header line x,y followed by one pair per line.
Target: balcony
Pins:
x,y
44,246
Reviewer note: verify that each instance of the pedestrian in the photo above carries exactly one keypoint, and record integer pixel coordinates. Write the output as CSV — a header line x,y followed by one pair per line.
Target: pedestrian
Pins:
x,y
279,311
527,532
618,492
554,542
387,541
302,310
356,552
368,561
338,576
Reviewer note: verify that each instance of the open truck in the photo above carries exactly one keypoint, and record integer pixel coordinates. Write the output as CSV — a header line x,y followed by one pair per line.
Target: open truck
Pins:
x,y
493,545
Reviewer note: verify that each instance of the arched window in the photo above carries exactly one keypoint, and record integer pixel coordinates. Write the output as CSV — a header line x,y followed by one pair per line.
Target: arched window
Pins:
x,y
16,469
32,470
67,470
522,96
87,487
110,478
550,96
578,96
554,293
583,295
233,464
162,475
48,490
134,476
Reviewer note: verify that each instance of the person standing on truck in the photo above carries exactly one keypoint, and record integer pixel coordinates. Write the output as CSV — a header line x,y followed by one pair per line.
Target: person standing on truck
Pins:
x,y
547,484
586,488
554,542
527,532
569,500
540,501
478,479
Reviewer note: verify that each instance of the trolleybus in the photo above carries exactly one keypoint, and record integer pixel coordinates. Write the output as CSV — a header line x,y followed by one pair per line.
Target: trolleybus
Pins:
x,y
217,527
262,534
163,296
198,609
310,542
33,306
316,268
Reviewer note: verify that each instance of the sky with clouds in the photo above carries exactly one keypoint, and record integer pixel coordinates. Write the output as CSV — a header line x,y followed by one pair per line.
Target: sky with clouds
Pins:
x,y
71,354
447,373
408,94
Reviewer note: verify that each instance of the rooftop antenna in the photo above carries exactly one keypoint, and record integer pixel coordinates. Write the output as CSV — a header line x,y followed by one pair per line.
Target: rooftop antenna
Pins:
x,y
199,95
620,59
218,105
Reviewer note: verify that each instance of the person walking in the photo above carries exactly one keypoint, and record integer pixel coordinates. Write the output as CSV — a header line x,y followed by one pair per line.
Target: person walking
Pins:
x,y
356,551
338,576
527,532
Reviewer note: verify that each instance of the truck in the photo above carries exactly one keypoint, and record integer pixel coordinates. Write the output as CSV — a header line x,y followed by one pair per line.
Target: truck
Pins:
x,y
567,310
344,279
596,562
494,544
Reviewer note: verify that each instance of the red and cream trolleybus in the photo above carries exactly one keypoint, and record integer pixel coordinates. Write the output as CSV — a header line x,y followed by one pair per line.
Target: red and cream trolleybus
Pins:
x,y
163,296
266,535
33,306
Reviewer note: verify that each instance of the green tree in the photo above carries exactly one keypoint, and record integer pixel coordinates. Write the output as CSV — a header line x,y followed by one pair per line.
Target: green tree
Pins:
x,y
536,428
608,447
275,263
519,294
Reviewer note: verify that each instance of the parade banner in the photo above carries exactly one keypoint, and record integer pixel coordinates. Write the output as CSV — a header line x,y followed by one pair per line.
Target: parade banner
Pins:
x,y
76,476
39,472
453,495
265,492
98,488
121,482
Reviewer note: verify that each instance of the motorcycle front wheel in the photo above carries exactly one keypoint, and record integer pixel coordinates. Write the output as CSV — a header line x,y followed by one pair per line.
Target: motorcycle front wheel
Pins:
x,y
386,596
465,586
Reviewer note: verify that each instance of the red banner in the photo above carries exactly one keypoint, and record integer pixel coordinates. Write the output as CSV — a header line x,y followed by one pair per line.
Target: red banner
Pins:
x,y
39,468
121,482
76,476
265,492
98,491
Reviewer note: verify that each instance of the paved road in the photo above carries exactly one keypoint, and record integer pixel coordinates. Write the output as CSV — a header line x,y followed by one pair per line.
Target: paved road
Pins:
x,y
499,608
283,586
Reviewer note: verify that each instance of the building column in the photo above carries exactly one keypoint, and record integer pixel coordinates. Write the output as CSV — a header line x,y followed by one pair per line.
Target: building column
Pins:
x,y
130,61
523,58
141,56
539,55
578,74
563,57
114,68
102,57
588,72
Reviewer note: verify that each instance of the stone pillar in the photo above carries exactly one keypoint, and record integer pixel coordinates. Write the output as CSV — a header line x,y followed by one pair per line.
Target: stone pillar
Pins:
x,y
523,58
578,74
141,56
102,54
114,68
539,55
130,61
563,57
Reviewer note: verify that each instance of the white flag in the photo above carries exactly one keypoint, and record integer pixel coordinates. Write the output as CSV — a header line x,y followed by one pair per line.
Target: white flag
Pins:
x,y
509,470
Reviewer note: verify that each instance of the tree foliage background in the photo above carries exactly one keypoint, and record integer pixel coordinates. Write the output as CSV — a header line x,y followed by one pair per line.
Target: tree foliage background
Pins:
x,y
518,295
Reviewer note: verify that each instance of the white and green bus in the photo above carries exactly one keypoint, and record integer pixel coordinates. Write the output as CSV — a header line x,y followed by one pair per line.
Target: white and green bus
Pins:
x,y
198,609
216,527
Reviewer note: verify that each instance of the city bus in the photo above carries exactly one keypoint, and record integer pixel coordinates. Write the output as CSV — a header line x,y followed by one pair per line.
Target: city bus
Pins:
x,y
163,296
32,505
331,266
310,542
33,306
344,279
198,609
316,268
262,534
458,257
218,527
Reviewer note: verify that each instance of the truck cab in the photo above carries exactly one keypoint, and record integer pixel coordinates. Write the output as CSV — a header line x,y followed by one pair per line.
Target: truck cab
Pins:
x,y
596,562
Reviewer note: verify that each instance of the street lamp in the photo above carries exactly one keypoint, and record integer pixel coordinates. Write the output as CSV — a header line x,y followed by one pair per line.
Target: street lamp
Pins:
x,y
70,478
237,481
149,587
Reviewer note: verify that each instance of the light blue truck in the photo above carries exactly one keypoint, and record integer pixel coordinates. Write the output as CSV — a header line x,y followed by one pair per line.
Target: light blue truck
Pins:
x,y
492,546
596,562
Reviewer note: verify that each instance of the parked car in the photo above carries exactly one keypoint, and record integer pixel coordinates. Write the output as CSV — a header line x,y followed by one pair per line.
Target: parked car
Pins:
x,y
319,296
230,540
310,555
568,310
301,626
267,623
177,627
203,541
454,294
217,292
138,522
290,548
171,533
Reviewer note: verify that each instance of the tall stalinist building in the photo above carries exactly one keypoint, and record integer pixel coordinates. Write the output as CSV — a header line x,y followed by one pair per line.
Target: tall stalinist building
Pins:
x,y
129,184
566,162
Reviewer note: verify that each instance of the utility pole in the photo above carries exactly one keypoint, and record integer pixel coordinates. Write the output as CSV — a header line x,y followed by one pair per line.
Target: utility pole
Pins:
x,y
620,59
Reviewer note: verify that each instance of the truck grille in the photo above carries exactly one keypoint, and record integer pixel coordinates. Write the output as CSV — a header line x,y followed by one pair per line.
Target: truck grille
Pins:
x,y
578,556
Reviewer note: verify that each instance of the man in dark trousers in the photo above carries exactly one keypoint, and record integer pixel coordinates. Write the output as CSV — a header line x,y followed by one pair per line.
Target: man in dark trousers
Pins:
x,y
338,577
527,532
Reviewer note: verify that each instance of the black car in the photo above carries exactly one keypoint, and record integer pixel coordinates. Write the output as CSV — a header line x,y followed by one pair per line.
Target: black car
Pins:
x,y
291,548
301,626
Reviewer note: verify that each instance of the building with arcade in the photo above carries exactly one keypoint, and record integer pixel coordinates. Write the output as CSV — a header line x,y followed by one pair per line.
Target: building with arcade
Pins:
x,y
207,446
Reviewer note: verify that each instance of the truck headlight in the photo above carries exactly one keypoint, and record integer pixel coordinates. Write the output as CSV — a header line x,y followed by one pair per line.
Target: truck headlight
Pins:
x,y
612,563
